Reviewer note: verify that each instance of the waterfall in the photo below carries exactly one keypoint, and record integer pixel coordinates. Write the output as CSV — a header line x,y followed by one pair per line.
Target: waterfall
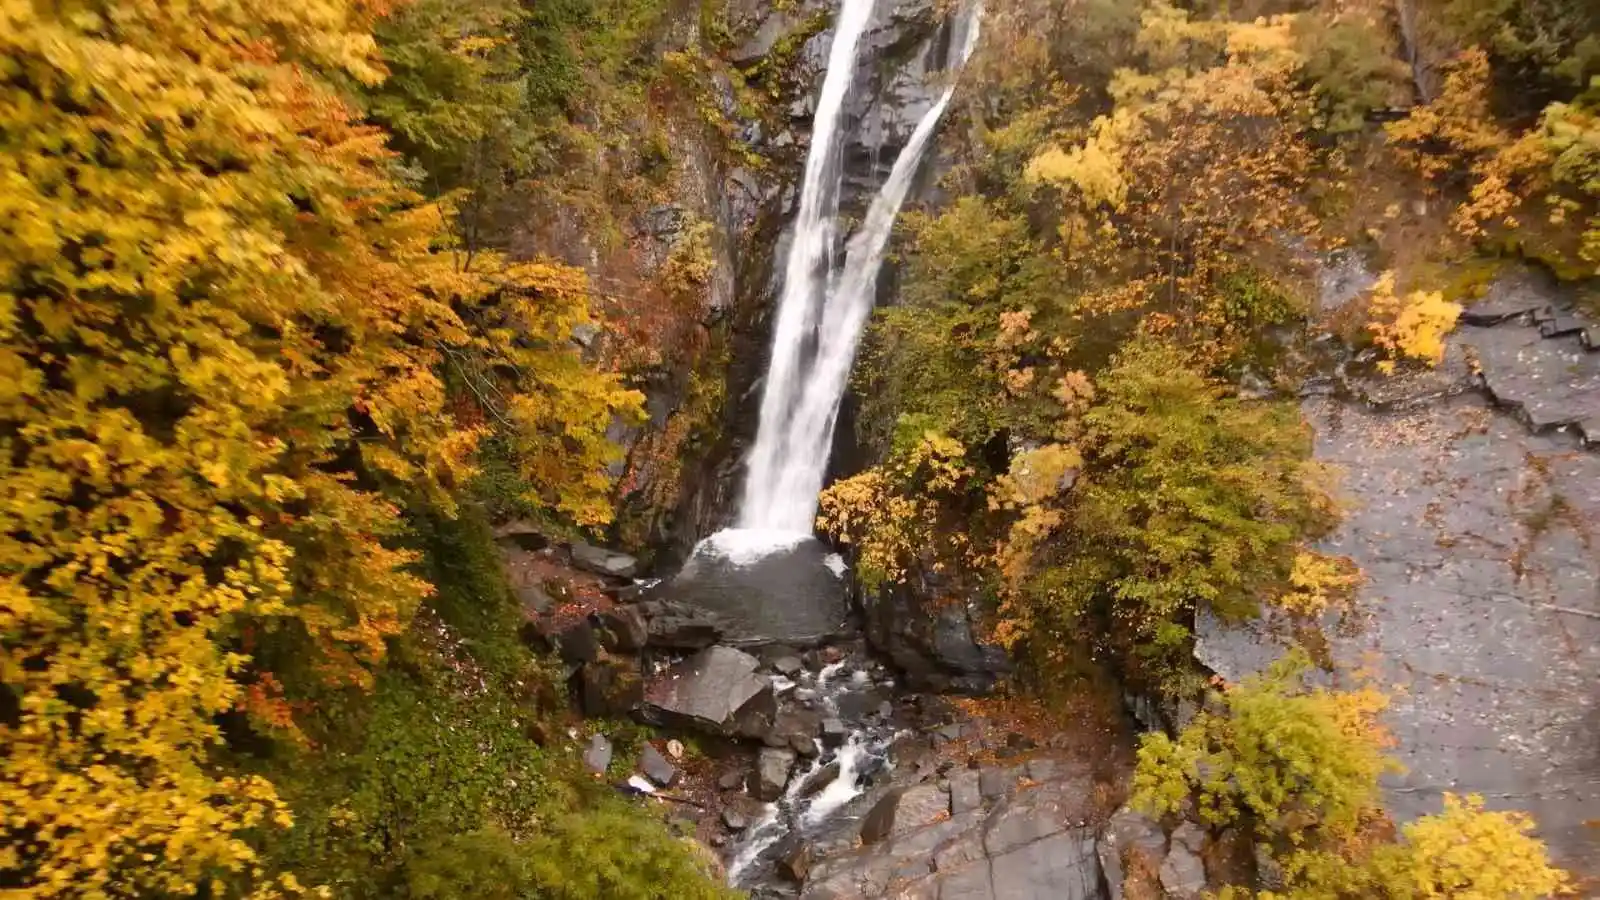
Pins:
x,y
823,308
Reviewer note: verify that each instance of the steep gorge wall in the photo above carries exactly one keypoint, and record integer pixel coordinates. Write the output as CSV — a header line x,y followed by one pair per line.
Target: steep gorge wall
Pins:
x,y
726,222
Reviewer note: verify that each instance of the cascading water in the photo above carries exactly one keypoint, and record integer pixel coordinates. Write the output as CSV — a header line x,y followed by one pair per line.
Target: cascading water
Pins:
x,y
768,505
822,310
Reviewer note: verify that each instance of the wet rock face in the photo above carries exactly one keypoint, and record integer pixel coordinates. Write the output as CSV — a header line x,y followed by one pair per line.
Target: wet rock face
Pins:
x,y
797,596
1034,842
1481,607
930,637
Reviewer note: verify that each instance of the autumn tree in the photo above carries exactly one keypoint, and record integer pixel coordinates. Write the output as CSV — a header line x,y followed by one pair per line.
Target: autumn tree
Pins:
x,y
222,332
1187,497
1150,223
1299,766
1277,757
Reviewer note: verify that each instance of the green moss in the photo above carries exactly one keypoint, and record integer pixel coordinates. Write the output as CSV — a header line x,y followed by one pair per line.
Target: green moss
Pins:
x,y
433,785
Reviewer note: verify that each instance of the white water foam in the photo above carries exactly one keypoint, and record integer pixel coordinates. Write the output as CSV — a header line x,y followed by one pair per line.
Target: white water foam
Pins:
x,y
746,546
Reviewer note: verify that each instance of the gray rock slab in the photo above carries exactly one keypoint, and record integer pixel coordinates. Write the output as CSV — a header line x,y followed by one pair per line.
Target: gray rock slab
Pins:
x,y
1481,610
971,882
1550,381
1062,867
706,690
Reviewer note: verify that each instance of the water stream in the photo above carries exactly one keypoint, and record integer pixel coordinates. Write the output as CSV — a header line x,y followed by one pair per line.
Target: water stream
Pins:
x,y
822,310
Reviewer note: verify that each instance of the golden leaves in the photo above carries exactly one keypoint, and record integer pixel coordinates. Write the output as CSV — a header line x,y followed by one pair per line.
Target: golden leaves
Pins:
x,y
1412,327
216,314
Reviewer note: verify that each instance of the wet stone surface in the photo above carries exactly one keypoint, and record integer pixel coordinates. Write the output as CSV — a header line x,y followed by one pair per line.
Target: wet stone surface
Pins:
x,y
1481,611
795,595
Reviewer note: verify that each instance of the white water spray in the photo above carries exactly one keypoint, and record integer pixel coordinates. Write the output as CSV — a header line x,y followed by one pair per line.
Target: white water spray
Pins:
x,y
822,311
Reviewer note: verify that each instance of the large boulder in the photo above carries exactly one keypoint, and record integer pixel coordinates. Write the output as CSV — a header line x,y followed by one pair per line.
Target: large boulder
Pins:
x,y
601,561
709,691
764,589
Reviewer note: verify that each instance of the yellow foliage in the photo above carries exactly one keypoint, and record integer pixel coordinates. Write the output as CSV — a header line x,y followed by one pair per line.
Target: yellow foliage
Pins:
x,y
889,513
1468,853
1096,168
221,326
1412,327
1318,581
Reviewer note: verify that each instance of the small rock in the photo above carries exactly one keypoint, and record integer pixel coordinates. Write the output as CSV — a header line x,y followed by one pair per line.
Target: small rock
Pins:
x,y
951,732
718,840
804,745
601,561
771,773
656,767
820,779
675,748
834,731
597,756
730,780
885,709
787,665
734,819
794,860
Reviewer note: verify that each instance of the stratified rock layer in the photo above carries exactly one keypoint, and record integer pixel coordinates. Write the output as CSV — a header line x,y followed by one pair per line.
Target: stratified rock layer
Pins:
x,y
1474,510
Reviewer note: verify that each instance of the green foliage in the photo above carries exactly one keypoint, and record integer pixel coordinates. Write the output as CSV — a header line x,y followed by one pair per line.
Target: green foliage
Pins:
x,y
940,354
1352,69
430,786
1552,44
1278,757
1188,496
608,853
